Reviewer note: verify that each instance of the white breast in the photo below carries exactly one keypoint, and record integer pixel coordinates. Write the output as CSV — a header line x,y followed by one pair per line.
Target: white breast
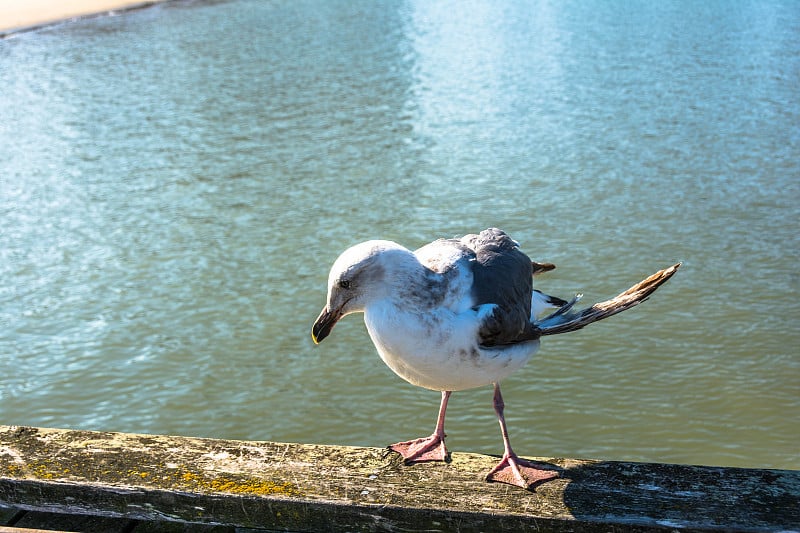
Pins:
x,y
438,350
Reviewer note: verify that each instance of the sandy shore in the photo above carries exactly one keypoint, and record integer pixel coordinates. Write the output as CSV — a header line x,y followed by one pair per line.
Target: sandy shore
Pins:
x,y
16,14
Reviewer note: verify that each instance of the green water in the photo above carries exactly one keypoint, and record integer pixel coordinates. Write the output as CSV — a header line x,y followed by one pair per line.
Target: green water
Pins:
x,y
176,182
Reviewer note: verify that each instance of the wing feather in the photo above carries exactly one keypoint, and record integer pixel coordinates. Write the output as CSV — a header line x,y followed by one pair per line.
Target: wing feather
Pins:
x,y
502,275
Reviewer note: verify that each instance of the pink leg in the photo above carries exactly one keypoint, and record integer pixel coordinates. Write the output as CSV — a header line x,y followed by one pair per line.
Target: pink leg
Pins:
x,y
512,469
429,448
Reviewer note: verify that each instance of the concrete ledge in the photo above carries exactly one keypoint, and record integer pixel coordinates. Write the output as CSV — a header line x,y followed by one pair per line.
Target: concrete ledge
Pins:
x,y
303,487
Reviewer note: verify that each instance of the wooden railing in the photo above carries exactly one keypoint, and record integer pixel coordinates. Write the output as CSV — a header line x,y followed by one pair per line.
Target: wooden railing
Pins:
x,y
144,480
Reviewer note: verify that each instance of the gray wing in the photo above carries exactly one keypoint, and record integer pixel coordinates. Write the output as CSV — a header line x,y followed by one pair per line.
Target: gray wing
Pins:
x,y
502,276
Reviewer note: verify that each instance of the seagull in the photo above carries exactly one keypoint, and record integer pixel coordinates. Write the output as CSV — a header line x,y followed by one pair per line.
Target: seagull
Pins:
x,y
458,314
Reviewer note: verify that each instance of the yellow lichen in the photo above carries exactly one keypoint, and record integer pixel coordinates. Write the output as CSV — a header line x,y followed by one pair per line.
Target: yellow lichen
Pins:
x,y
13,470
252,486
249,486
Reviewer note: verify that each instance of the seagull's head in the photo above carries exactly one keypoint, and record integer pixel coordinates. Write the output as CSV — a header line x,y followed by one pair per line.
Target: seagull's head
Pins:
x,y
358,277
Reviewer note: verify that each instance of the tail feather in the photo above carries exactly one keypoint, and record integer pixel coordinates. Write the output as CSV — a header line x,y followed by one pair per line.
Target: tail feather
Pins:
x,y
565,320
541,303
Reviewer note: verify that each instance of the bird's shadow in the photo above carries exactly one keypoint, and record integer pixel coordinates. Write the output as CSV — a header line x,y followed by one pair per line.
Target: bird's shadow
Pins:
x,y
656,494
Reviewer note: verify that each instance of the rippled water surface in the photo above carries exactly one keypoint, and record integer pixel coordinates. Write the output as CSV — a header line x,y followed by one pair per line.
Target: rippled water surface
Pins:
x,y
176,181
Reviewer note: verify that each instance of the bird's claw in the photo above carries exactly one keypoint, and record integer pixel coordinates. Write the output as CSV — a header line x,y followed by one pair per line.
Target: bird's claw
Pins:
x,y
515,471
421,450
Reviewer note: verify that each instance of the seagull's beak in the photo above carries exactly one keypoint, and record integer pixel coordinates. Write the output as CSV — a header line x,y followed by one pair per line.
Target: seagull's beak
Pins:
x,y
324,324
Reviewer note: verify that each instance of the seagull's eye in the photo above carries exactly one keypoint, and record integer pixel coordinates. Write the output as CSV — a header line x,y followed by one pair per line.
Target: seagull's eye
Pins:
x,y
344,283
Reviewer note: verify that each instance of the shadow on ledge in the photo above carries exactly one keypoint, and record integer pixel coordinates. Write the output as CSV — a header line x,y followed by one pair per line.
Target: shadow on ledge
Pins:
x,y
669,496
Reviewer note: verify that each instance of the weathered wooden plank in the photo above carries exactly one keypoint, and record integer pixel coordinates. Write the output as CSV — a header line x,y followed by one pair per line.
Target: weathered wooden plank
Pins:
x,y
6,514
298,487
5,529
66,522
34,522
188,527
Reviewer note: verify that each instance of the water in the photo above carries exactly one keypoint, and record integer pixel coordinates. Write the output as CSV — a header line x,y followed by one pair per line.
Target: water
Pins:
x,y
175,183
